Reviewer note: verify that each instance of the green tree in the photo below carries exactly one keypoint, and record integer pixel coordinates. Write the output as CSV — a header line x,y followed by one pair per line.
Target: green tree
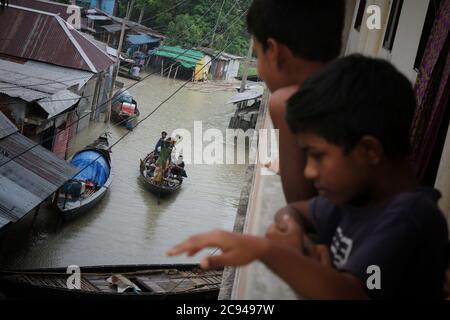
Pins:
x,y
187,22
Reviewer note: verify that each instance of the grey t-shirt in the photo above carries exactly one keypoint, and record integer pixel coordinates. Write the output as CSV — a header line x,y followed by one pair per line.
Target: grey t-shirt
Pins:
x,y
406,239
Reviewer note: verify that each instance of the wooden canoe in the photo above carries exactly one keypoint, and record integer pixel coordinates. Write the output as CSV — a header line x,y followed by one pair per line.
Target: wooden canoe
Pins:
x,y
155,282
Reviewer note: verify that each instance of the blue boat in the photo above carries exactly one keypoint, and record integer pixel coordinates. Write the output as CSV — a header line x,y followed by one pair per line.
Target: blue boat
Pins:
x,y
92,182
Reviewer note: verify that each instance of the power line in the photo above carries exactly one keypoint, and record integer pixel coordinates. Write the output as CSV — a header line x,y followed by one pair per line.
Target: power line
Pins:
x,y
156,109
217,23
165,11
52,137
57,81
97,106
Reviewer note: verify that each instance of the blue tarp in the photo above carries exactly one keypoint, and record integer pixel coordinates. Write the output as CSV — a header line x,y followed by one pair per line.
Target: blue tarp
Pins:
x,y
97,169
142,39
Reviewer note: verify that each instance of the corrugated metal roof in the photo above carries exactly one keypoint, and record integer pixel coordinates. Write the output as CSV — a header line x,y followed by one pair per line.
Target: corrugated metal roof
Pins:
x,y
35,82
28,180
142,39
65,75
134,25
38,79
187,58
231,56
96,17
59,102
222,56
17,91
6,127
114,27
46,37
251,94
47,6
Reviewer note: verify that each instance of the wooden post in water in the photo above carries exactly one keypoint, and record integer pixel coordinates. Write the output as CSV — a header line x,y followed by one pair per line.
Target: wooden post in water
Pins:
x,y
170,71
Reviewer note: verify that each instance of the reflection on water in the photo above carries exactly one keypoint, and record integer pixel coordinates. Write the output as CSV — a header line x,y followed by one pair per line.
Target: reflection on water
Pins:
x,y
128,226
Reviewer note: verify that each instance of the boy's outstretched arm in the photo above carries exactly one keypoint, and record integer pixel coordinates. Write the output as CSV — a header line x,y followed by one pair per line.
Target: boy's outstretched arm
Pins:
x,y
306,276
292,160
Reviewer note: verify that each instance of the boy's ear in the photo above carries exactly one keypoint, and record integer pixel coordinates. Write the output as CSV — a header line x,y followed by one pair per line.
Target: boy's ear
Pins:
x,y
371,149
274,51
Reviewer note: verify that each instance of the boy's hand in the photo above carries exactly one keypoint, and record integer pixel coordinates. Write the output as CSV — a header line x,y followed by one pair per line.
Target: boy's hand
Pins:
x,y
237,249
288,211
287,232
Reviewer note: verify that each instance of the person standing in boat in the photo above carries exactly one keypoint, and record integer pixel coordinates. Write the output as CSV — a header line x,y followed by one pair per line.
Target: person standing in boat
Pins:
x,y
158,144
163,160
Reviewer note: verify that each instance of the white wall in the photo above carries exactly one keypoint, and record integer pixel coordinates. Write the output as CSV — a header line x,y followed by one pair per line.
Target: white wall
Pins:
x,y
407,39
408,36
233,69
443,179
85,105
365,41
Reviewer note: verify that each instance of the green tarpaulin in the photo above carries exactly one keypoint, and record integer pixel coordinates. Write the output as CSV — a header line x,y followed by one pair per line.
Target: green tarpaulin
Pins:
x,y
187,58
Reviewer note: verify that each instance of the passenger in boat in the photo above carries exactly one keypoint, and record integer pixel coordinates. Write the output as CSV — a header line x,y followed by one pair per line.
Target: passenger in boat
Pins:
x,y
134,71
177,168
158,144
385,236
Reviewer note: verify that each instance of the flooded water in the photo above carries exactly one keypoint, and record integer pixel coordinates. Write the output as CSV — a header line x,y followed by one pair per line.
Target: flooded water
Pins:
x,y
128,226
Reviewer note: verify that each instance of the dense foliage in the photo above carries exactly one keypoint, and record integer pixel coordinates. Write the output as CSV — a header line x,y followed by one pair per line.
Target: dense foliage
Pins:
x,y
191,23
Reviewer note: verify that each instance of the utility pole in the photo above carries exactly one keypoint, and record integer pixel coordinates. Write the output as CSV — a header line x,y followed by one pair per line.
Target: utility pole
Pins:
x,y
217,23
117,64
247,66
141,15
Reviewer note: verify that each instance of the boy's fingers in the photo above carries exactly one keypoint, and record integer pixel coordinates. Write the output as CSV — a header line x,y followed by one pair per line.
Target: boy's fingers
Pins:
x,y
191,246
222,260
196,243
178,249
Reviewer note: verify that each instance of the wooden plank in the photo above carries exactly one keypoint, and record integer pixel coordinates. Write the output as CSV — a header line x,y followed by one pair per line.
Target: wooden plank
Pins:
x,y
150,285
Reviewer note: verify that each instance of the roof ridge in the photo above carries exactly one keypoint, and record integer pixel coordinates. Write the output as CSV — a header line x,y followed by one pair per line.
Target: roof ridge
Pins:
x,y
33,10
67,29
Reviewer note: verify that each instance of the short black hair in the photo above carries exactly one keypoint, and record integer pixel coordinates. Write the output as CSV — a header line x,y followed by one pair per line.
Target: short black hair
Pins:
x,y
164,133
352,97
312,29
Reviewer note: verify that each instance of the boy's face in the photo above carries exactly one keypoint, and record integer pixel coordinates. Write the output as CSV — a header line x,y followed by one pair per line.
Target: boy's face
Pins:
x,y
268,64
341,178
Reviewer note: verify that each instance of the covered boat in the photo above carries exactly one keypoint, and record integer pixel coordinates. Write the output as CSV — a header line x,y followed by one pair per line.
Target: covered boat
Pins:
x,y
91,183
124,109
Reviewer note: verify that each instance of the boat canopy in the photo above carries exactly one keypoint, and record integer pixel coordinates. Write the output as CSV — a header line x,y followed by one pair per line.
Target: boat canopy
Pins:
x,y
94,167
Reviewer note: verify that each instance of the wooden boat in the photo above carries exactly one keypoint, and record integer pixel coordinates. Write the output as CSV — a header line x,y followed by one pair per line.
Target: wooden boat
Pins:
x,y
170,185
124,113
137,282
92,182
